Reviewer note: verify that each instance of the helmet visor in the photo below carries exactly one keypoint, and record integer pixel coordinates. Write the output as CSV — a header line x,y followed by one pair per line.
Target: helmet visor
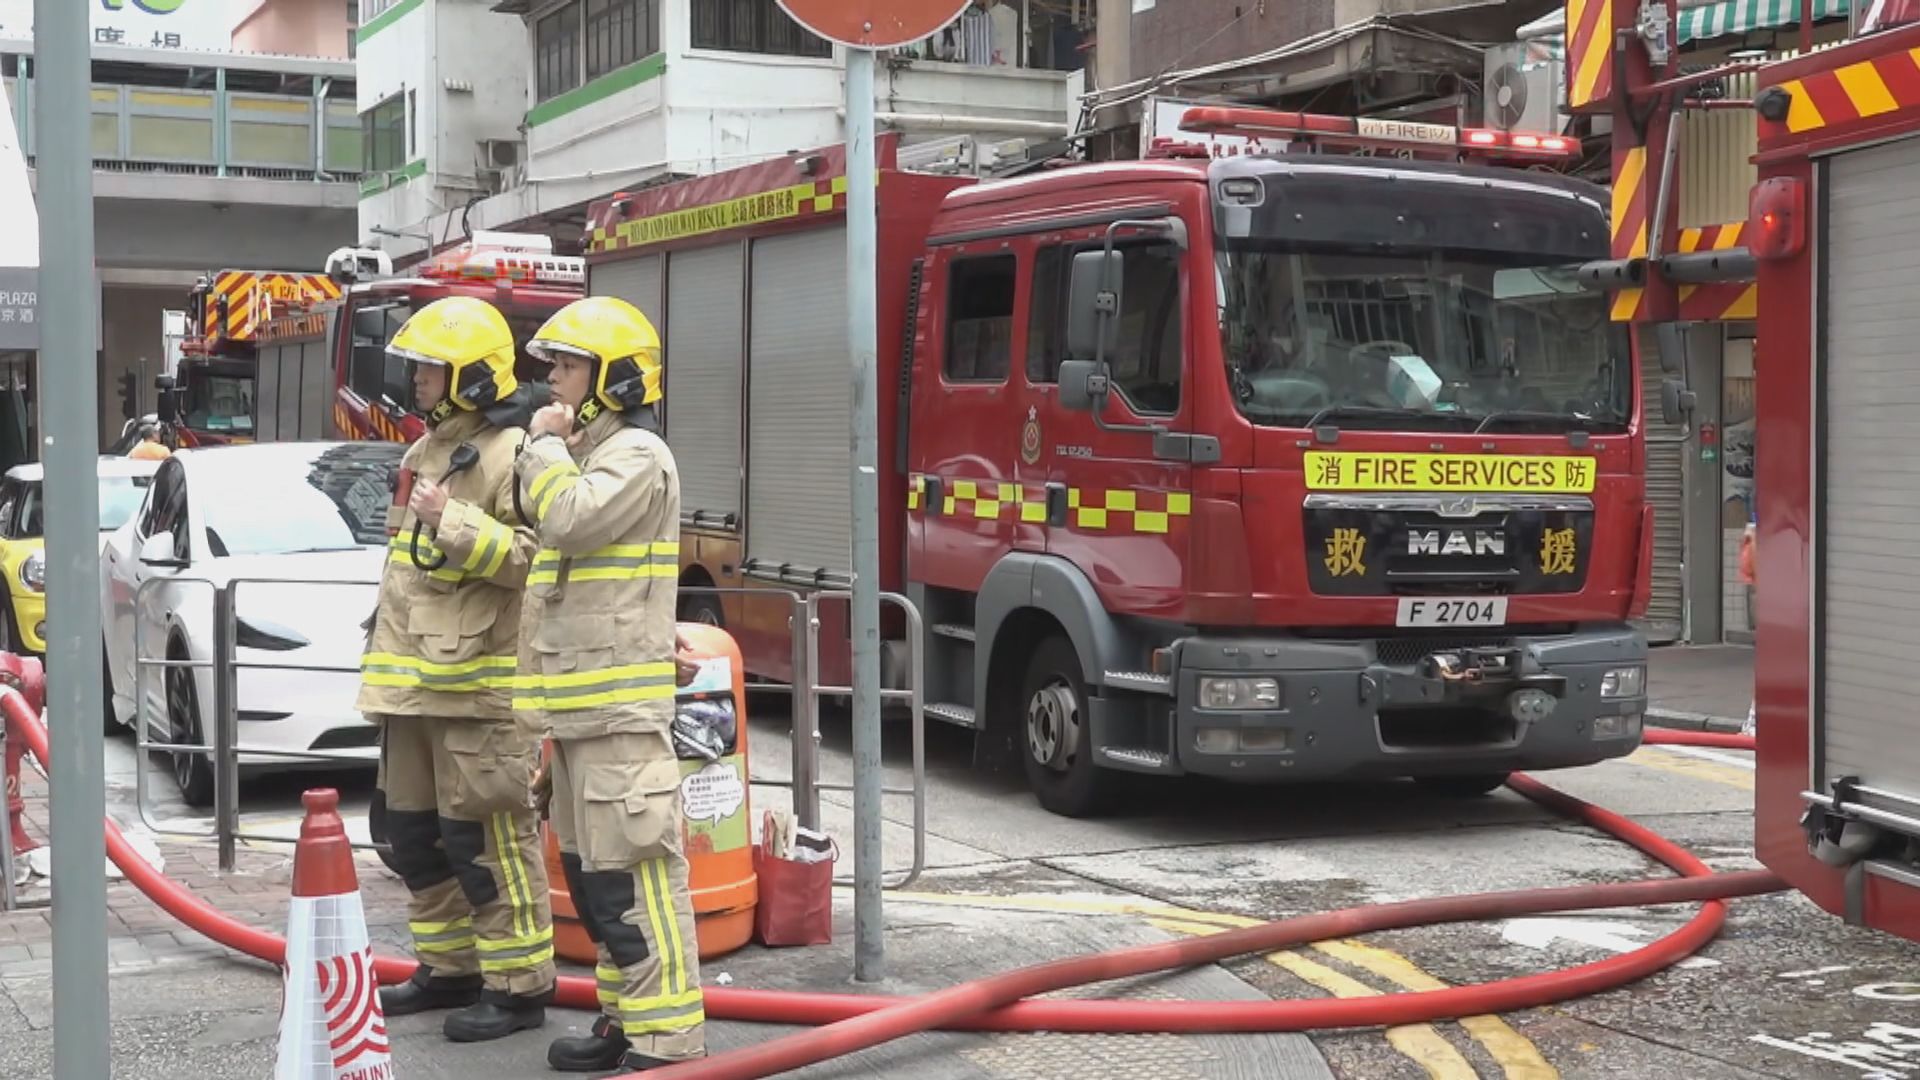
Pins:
x,y
548,350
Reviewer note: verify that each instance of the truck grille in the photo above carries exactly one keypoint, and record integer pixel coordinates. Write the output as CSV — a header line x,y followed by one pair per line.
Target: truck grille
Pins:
x,y
1402,652
1393,550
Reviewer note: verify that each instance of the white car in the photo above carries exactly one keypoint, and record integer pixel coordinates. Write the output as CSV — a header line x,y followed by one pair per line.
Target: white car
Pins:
x,y
298,530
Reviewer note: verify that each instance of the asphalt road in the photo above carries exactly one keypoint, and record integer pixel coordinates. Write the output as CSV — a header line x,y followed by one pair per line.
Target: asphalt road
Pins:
x,y
1787,991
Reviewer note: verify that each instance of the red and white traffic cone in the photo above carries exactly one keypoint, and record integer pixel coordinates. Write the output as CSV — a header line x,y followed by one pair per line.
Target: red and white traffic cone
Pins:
x,y
331,1027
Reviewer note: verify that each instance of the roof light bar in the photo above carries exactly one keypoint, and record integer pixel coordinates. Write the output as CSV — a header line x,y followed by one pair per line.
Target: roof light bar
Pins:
x,y
1347,131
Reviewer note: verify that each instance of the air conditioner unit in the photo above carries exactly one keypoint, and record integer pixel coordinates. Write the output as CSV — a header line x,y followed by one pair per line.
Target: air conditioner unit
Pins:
x,y
1524,88
500,153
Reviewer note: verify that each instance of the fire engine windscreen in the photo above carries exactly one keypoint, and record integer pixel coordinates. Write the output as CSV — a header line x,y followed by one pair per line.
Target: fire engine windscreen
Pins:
x,y
219,401
374,373
1426,305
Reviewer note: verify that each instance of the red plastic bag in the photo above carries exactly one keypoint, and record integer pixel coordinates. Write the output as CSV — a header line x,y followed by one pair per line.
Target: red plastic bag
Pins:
x,y
796,899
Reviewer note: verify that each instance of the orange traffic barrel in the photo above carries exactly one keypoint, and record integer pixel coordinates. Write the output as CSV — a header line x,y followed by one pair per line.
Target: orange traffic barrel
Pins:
x,y
715,819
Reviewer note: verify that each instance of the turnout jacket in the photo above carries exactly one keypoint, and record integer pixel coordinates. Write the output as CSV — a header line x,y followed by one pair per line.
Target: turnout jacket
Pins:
x,y
597,638
443,641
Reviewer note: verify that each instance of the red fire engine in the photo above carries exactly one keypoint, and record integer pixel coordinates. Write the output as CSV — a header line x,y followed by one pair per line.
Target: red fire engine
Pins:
x,y
1304,466
324,370
1832,244
208,397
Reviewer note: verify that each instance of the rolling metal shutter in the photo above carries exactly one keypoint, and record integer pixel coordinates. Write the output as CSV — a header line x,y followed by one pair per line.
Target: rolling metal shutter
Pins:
x,y
799,452
1666,491
266,393
1868,613
289,392
316,389
705,306
637,281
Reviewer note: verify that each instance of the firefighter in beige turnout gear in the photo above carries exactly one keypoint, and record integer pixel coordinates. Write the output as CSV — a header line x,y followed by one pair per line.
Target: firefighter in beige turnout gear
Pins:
x,y
598,673
455,769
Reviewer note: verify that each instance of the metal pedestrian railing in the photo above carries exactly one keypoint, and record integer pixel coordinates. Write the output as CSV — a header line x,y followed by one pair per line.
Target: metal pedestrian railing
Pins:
x,y
225,750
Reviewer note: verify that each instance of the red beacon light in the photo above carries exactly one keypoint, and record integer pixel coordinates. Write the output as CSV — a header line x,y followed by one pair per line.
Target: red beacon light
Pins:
x,y
1776,218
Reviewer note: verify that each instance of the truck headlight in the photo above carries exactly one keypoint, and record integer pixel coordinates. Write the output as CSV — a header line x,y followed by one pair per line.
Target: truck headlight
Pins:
x,y
1625,682
1239,693
33,572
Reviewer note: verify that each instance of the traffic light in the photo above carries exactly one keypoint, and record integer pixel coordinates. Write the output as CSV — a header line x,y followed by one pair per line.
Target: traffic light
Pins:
x,y
129,394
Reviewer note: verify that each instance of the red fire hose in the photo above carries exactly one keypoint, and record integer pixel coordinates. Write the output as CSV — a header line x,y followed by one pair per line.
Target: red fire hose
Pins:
x,y
858,1021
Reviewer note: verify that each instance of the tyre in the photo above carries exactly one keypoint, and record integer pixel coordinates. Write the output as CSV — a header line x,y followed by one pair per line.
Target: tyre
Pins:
x,y
1055,735
193,772
703,608
9,629
109,723
1462,787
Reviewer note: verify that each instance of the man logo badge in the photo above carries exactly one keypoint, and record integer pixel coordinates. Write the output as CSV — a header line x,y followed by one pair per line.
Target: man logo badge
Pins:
x,y
1456,542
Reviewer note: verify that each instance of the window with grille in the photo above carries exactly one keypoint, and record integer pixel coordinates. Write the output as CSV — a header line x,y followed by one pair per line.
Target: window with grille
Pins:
x,y
755,26
556,53
586,39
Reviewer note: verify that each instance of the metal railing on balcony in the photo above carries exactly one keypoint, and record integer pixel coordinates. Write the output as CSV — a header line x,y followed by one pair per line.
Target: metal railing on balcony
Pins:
x,y
212,132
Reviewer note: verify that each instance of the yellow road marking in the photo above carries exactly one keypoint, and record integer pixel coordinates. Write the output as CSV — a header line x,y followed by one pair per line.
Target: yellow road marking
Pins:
x,y
1516,1054
1420,1043
1714,772
1519,1059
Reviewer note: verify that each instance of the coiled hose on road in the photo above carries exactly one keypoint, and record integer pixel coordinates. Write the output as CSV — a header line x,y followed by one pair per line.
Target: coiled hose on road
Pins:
x,y
853,1022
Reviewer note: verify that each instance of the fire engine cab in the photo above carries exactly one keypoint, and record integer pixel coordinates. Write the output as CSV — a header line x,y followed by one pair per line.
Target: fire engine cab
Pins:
x,y
324,369
1832,244
208,396
1302,466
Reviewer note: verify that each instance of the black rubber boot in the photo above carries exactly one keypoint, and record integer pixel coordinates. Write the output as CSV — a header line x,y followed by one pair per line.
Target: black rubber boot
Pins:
x,y
635,1061
601,1050
497,1015
424,993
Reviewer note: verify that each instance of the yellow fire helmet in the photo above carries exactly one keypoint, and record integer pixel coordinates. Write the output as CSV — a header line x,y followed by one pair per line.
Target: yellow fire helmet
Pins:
x,y
621,342
471,338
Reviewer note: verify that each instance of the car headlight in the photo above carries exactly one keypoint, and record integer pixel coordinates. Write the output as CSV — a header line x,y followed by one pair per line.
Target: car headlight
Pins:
x,y
1625,682
33,572
1239,693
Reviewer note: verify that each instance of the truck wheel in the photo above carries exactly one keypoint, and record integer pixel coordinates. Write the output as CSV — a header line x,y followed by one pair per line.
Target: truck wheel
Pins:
x,y
1054,731
703,609
1462,787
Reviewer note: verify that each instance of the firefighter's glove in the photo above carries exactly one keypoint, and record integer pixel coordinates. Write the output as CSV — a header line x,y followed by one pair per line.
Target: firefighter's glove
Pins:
x,y
540,791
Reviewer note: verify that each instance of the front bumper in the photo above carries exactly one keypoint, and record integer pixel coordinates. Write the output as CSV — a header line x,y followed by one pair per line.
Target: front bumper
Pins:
x,y
30,615
1407,707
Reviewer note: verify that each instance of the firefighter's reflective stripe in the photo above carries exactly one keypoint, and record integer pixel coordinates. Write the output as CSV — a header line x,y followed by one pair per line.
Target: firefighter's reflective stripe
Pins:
x,y
443,937
677,1007
610,982
549,484
675,1012
615,562
490,547
617,685
1139,510
401,551
467,676
513,869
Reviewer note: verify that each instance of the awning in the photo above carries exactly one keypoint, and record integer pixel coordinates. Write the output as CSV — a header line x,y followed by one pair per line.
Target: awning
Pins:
x,y
1730,17
1704,22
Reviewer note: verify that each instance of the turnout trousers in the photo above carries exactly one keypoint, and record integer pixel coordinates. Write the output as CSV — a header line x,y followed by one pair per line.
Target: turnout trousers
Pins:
x,y
616,814
467,844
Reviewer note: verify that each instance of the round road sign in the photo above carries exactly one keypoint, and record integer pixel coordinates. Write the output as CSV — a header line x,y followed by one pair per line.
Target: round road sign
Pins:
x,y
874,24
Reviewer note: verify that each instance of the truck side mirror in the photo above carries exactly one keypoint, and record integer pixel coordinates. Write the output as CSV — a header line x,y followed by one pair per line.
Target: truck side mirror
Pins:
x,y
1676,401
1082,385
1093,305
1671,341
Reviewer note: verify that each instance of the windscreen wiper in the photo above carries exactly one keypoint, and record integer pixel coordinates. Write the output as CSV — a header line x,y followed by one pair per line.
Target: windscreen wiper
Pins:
x,y
1533,415
1390,412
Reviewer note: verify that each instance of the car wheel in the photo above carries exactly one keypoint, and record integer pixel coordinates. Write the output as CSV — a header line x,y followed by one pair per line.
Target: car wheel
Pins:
x,y
1059,758
1462,787
193,772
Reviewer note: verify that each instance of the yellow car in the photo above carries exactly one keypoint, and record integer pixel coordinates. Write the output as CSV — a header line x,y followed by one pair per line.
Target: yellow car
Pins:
x,y
23,562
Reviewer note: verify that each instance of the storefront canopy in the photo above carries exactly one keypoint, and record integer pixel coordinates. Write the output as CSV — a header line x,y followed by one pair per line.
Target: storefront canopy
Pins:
x,y
1704,22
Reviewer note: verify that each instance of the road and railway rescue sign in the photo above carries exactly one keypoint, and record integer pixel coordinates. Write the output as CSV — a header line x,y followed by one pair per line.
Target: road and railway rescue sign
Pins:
x,y
1448,472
